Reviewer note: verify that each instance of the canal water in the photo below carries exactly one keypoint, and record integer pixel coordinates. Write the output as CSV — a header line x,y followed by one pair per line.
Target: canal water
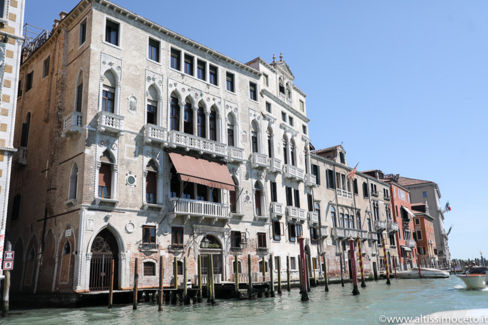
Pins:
x,y
338,306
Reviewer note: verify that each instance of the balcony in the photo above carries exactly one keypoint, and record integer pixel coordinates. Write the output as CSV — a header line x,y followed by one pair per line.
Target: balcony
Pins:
x,y
235,154
188,207
380,225
324,231
276,209
259,160
346,233
192,142
274,165
294,172
375,193
386,198
155,134
109,122
310,180
295,214
20,157
410,243
392,226
313,217
343,193
72,123
148,247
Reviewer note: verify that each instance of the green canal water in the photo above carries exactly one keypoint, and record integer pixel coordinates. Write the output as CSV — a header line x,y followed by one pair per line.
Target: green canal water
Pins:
x,y
338,306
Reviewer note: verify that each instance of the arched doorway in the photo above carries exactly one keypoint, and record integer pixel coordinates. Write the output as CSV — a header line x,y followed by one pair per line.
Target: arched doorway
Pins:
x,y
104,249
211,245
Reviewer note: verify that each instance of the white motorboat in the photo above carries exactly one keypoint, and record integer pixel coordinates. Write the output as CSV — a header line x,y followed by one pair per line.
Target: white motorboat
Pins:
x,y
475,278
425,272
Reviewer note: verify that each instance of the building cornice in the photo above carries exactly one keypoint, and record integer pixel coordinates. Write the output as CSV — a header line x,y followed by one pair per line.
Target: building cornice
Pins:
x,y
285,105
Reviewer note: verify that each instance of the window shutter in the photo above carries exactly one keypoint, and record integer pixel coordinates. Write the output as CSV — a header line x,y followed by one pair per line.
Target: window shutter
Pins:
x,y
282,229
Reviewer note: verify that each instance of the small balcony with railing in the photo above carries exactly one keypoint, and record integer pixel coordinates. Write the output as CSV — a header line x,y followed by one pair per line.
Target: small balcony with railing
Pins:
x,y
349,232
72,123
197,208
410,243
235,154
324,231
154,134
275,165
380,225
276,209
343,193
295,214
310,180
294,172
392,226
110,122
313,217
259,160
189,142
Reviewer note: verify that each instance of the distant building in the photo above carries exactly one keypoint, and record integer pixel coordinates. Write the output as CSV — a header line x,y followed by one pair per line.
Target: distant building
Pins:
x,y
420,192
11,41
425,235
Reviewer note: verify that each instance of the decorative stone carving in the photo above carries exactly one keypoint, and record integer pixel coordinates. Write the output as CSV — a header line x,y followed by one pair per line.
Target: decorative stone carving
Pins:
x,y
132,104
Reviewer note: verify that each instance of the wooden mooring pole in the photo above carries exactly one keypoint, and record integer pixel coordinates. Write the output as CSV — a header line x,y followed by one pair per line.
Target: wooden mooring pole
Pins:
x,y
175,272
355,290
134,292
303,269
200,284
279,274
385,260
326,277
342,268
236,277
263,261
288,273
186,299
249,275
111,291
361,267
161,270
212,287
271,275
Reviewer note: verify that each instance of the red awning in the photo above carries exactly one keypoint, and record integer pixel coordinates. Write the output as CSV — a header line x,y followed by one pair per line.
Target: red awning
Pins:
x,y
202,171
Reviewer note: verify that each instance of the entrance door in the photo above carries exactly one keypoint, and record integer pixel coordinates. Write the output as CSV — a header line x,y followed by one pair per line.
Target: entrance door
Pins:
x,y
104,249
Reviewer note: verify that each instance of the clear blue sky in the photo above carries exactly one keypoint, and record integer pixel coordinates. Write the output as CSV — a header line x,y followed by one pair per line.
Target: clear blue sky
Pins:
x,y
403,84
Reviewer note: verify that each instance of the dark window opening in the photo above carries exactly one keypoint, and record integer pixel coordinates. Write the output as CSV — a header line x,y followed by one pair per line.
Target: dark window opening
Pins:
x,y
213,75
176,59
177,236
154,47
112,32
148,234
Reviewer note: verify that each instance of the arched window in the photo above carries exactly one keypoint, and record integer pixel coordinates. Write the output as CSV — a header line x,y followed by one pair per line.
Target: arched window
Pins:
x,y
201,122
231,130
174,183
254,137
285,150
174,113
152,106
270,142
79,92
151,182
105,175
233,196
108,92
73,182
258,198
213,124
293,153
188,118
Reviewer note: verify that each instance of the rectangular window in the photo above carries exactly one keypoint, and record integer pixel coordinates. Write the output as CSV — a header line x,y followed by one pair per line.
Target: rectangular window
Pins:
x,y
268,107
293,263
189,62
112,32
235,239
424,195
290,120
276,230
148,234
149,268
176,59
261,240
292,234
274,197
297,198
304,129
253,91
330,179
283,116
310,202
266,79
29,81
299,230
417,221
212,71
419,235
177,237
108,99
302,106
45,67
201,70
316,172
82,37
289,197
154,47
229,77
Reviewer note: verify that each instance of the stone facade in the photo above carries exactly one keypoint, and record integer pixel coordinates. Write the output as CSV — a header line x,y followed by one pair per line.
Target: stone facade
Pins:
x,y
121,98
11,40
